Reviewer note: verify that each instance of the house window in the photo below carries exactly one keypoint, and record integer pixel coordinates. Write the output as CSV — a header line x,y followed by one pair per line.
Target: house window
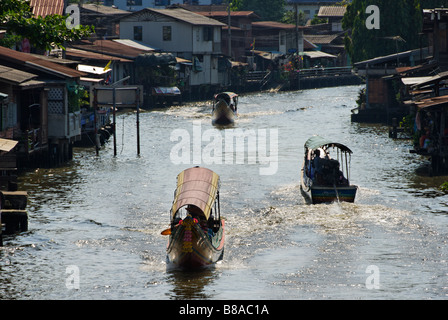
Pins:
x,y
282,38
208,33
138,33
131,3
167,33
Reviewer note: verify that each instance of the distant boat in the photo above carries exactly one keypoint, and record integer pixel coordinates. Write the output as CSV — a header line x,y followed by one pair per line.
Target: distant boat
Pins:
x,y
197,230
323,178
224,108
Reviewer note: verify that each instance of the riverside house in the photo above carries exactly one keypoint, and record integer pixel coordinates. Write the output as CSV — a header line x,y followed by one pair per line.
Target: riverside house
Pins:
x,y
40,109
185,34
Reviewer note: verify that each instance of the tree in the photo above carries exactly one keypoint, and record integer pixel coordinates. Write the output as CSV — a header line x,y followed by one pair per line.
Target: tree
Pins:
x,y
45,33
271,10
400,23
289,17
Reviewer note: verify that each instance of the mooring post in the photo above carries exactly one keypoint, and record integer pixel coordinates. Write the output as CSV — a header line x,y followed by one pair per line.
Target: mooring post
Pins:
x,y
95,120
394,128
138,120
114,116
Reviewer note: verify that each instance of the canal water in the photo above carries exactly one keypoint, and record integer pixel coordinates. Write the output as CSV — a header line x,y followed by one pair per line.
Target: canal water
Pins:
x,y
95,223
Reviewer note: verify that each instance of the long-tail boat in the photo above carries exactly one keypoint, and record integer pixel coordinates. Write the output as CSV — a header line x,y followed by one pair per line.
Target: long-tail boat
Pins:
x,y
225,108
197,229
323,178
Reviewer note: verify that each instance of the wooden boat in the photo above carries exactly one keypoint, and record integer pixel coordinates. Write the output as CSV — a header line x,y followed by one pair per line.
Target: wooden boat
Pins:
x,y
323,180
197,230
224,108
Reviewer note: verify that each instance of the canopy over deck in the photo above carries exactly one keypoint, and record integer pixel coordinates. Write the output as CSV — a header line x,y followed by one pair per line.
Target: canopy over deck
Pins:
x,y
316,142
226,95
196,186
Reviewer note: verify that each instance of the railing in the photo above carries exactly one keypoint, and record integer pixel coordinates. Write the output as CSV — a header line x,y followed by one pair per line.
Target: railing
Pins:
x,y
319,72
33,139
302,73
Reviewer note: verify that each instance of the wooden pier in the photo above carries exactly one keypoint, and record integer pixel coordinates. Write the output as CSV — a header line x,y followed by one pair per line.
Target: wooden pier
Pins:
x,y
14,216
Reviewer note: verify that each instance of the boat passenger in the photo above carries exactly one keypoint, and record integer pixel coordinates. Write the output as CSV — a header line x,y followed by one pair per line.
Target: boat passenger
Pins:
x,y
316,162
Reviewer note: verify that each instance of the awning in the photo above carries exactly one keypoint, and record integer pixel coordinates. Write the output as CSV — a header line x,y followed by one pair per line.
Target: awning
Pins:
x,y
269,55
7,144
184,61
318,54
198,187
95,80
92,69
316,142
414,80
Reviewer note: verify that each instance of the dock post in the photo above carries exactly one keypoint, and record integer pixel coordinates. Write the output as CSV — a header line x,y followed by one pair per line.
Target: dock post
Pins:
x,y
1,226
138,120
394,128
95,120
114,116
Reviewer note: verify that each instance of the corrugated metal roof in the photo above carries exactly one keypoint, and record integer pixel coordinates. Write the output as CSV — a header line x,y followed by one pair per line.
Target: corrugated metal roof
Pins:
x,y
135,44
15,76
332,11
7,144
45,7
321,38
81,55
110,47
433,102
34,62
101,9
220,14
273,25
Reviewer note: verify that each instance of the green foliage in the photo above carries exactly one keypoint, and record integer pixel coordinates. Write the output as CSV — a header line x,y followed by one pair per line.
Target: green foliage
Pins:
x,y
397,18
361,97
270,10
289,17
444,187
43,33
317,20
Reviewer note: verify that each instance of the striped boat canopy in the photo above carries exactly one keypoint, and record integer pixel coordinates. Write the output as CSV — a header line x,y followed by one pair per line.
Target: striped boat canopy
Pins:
x,y
198,187
316,142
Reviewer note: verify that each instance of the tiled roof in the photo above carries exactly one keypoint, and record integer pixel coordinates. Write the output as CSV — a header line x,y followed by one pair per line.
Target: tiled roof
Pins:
x,y
179,15
331,11
45,7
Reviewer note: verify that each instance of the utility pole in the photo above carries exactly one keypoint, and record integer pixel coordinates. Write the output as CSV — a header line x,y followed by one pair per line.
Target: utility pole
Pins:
x,y
229,33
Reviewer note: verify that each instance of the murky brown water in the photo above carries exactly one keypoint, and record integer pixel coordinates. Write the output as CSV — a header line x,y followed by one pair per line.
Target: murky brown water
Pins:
x,y
102,216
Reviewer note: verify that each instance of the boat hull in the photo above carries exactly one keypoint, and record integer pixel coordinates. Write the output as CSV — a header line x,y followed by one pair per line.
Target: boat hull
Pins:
x,y
332,194
327,194
223,114
190,247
